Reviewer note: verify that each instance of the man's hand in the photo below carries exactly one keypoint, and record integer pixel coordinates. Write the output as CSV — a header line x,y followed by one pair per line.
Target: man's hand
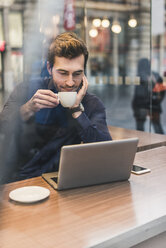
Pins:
x,y
41,99
80,95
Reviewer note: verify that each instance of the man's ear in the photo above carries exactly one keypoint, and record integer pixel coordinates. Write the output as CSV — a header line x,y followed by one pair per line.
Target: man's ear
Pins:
x,y
49,69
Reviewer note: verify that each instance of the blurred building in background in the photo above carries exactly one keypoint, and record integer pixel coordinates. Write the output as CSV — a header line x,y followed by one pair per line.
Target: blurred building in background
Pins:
x,y
118,34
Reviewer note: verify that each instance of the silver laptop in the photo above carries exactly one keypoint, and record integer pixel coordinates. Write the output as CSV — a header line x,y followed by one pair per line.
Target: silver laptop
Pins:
x,y
93,163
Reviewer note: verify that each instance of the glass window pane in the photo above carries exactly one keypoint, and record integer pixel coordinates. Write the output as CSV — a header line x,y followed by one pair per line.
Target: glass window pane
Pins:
x,y
15,30
17,66
158,65
1,28
115,53
118,36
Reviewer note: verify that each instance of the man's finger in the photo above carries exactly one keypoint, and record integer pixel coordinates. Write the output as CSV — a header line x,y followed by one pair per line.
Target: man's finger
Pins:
x,y
45,103
45,95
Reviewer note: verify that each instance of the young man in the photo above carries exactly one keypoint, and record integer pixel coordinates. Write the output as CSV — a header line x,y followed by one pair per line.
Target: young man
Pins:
x,y
35,125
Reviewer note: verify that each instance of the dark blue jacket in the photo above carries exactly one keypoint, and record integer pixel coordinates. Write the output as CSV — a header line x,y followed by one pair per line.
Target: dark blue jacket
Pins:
x,y
39,140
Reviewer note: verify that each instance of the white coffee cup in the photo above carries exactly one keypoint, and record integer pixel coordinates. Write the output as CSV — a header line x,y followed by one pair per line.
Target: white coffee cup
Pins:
x,y
67,99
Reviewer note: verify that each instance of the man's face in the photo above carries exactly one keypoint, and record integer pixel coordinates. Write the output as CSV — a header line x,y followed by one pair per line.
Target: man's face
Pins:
x,y
68,73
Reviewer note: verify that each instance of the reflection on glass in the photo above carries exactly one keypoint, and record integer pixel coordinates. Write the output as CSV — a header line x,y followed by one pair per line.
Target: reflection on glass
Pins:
x,y
105,23
113,58
15,30
116,28
93,32
147,102
96,23
132,22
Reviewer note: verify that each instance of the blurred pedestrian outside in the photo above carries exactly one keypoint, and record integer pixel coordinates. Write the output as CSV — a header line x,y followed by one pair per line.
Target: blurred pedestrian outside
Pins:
x,y
148,97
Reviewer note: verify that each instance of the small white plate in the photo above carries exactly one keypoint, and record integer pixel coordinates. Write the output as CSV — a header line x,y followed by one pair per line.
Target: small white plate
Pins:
x,y
29,194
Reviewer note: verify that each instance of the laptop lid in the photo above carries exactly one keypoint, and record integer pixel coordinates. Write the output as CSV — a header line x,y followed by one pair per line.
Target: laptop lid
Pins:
x,y
94,163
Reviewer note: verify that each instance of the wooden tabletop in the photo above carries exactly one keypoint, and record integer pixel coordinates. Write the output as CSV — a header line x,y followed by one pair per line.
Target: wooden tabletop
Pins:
x,y
112,215
146,140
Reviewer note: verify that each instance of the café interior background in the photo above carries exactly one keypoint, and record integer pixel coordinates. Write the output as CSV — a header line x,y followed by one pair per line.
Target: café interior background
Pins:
x,y
118,34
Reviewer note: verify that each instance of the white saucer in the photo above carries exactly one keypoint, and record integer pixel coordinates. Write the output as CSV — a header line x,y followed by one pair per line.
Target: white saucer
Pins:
x,y
29,194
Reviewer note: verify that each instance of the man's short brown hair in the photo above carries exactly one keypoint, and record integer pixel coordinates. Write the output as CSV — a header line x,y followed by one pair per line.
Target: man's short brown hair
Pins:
x,y
67,45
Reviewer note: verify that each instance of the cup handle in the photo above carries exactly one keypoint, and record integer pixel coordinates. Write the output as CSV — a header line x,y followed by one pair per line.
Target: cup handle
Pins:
x,y
57,95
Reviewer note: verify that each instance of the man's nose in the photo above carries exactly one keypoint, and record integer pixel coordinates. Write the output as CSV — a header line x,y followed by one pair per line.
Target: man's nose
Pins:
x,y
69,81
